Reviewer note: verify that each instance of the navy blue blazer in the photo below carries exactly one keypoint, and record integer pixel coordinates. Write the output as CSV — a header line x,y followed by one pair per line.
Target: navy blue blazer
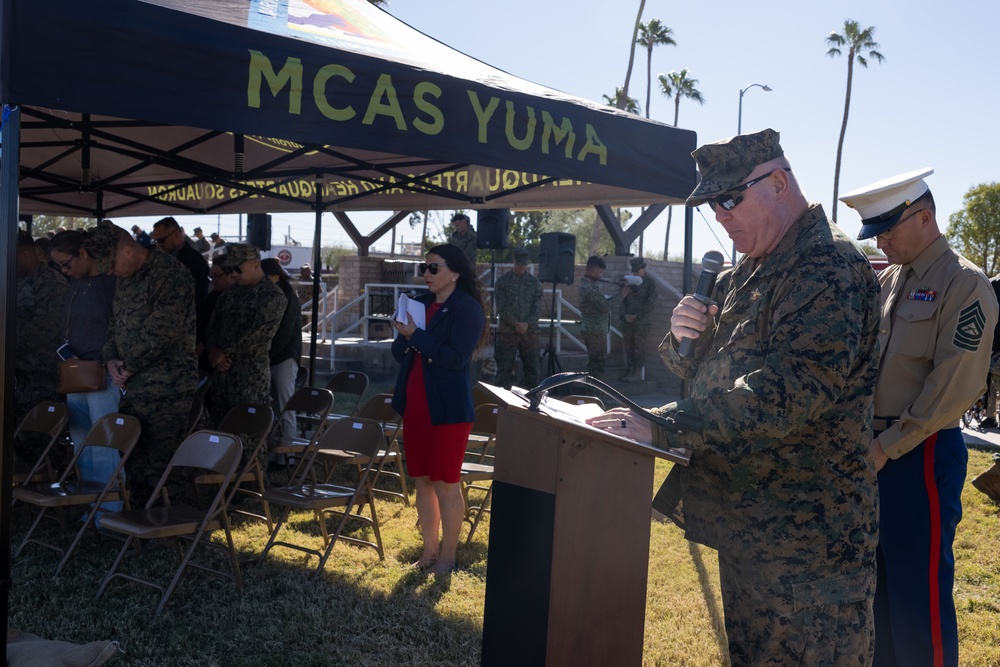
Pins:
x,y
445,348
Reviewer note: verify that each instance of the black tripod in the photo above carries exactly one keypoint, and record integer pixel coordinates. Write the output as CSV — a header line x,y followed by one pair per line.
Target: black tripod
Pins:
x,y
550,349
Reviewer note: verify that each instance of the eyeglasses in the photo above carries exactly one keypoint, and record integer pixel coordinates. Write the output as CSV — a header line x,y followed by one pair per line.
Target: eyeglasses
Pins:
x,y
730,200
64,266
163,239
887,235
234,269
432,267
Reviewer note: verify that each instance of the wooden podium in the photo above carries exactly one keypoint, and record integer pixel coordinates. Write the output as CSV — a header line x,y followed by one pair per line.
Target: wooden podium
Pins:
x,y
569,542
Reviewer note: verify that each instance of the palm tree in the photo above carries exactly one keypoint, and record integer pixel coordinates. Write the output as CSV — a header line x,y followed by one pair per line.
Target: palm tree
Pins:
x,y
677,85
622,101
858,42
623,98
650,35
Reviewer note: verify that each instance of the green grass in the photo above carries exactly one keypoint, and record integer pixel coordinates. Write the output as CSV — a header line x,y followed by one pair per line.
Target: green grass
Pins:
x,y
361,611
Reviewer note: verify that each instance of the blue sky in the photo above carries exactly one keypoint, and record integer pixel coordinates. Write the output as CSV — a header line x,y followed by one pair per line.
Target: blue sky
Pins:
x,y
933,102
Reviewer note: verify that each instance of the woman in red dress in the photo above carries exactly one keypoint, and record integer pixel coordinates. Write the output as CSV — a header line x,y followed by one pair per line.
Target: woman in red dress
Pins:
x,y
434,395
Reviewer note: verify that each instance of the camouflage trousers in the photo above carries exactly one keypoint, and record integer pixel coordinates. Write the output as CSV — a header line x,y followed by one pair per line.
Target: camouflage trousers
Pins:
x,y
634,334
164,423
508,345
242,383
596,342
771,620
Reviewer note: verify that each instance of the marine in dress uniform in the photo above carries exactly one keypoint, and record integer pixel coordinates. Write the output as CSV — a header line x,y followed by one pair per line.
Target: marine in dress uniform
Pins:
x,y
518,297
938,313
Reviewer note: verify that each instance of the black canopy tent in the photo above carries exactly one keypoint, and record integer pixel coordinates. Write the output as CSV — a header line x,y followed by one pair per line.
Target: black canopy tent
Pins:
x,y
115,108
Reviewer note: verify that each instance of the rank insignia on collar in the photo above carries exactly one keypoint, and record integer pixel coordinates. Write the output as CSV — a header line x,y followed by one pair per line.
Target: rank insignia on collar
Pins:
x,y
754,295
922,295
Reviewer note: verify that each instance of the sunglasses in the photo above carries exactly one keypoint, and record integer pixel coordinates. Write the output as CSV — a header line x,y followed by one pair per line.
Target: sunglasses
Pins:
x,y
432,267
730,200
163,239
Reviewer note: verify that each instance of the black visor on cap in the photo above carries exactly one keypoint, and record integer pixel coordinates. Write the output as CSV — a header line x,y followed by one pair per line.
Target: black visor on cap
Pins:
x,y
880,224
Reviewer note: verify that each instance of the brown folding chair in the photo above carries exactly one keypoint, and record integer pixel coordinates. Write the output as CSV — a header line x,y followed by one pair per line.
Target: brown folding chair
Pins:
x,y
581,399
251,422
377,408
113,430
347,385
363,436
313,403
478,465
202,450
45,420
195,413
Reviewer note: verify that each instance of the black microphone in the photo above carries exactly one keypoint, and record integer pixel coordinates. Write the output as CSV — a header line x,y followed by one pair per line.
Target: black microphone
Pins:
x,y
711,264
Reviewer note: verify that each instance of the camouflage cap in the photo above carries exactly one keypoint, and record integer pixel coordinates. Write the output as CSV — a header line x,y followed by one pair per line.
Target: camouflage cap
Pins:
x,y
102,243
725,164
238,253
521,256
637,263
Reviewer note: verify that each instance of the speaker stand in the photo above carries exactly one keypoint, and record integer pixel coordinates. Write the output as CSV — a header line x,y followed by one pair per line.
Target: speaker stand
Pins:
x,y
550,350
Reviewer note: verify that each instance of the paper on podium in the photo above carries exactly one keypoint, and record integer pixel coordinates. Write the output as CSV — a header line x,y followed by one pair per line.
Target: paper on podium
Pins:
x,y
414,308
578,414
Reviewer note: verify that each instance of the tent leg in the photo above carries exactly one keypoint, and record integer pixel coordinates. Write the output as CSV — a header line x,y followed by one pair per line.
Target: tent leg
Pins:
x,y
317,268
9,193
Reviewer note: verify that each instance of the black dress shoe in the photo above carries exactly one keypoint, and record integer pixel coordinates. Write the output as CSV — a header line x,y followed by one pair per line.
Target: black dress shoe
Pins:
x,y
989,422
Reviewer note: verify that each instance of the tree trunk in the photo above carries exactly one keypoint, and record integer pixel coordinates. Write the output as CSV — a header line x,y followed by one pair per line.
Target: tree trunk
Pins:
x,y
623,100
843,131
649,77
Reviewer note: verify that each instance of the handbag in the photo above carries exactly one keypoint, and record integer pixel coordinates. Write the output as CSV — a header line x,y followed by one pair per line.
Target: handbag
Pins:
x,y
78,376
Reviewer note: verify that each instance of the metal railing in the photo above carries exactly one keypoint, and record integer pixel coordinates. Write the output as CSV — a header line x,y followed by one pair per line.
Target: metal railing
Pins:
x,y
376,306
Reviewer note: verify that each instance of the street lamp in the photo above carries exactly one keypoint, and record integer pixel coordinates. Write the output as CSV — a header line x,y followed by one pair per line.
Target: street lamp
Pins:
x,y
739,128
739,121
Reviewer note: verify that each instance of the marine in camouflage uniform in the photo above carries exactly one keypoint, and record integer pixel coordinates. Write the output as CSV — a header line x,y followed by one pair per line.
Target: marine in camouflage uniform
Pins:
x,y
151,342
239,334
41,293
636,318
595,309
464,237
518,297
938,315
780,481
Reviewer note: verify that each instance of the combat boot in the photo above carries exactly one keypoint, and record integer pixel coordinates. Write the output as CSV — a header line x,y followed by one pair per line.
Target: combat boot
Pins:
x,y
634,376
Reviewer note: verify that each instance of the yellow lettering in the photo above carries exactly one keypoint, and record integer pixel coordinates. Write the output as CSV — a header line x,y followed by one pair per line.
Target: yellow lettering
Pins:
x,y
436,123
594,146
483,115
529,135
376,107
462,181
319,92
477,181
290,75
551,131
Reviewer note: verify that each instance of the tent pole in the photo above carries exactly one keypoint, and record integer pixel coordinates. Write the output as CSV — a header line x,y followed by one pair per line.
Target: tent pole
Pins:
x,y
9,192
317,268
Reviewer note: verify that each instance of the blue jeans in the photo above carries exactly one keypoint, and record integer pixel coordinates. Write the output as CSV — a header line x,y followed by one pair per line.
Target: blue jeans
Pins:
x,y
96,464
282,387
